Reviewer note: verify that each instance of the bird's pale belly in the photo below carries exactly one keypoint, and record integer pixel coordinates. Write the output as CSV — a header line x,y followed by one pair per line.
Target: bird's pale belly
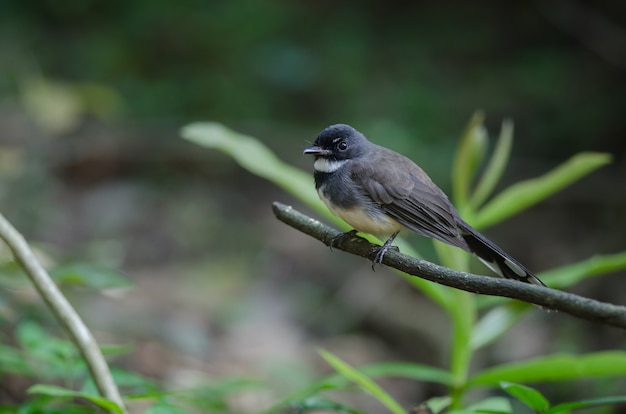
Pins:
x,y
366,221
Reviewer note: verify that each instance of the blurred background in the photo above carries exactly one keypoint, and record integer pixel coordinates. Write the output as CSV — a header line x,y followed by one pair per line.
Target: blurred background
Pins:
x,y
92,169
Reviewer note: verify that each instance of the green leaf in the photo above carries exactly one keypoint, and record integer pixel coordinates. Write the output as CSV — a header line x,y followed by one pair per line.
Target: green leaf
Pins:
x,y
363,381
31,335
255,157
317,404
329,383
495,323
567,407
165,408
129,381
50,357
493,172
522,195
438,404
408,370
14,361
116,349
558,367
53,390
452,257
90,276
491,405
469,155
45,404
529,396
567,276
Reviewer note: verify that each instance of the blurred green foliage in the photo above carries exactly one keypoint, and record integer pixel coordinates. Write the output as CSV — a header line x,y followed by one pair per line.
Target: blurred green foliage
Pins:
x,y
412,67
57,369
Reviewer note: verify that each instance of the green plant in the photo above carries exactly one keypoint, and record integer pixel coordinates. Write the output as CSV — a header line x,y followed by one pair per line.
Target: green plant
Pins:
x,y
60,378
475,321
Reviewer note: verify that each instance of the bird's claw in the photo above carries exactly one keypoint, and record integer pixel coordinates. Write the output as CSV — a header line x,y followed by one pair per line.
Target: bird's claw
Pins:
x,y
378,259
382,250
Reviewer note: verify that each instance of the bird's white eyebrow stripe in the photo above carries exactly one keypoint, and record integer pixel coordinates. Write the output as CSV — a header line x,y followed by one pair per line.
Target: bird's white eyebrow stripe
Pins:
x,y
337,139
327,166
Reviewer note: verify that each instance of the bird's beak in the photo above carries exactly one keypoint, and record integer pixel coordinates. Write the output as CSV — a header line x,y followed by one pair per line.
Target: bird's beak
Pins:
x,y
315,150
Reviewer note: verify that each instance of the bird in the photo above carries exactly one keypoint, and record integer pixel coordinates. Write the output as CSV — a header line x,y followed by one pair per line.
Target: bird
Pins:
x,y
381,192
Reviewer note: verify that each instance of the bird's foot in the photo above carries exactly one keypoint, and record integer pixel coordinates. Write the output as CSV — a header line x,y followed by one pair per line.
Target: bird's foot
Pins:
x,y
337,240
380,253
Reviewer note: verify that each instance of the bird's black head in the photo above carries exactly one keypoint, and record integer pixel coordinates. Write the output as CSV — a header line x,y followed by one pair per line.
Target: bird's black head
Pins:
x,y
337,143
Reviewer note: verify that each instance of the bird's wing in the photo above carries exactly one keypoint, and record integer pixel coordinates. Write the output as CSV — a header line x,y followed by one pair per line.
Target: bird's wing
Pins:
x,y
408,196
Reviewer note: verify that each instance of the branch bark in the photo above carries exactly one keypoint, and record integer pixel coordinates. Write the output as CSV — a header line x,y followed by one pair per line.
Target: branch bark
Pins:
x,y
581,307
63,311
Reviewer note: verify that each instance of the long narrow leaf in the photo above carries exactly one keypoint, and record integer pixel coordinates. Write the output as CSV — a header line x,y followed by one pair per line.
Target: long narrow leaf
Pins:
x,y
493,172
163,407
55,391
499,405
568,407
522,195
559,367
529,396
317,404
566,276
407,370
329,383
468,156
364,382
255,157
494,324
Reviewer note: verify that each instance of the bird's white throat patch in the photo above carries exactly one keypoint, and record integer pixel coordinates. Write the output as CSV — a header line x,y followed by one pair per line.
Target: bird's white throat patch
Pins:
x,y
327,166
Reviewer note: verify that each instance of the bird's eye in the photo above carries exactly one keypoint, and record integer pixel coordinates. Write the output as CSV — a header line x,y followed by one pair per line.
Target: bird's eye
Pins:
x,y
342,146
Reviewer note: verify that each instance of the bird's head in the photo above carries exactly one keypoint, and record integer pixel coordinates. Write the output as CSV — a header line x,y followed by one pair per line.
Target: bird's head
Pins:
x,y
336,145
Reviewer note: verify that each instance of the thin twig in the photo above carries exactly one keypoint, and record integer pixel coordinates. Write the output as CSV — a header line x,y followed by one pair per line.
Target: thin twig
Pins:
x,y
63,311
575,305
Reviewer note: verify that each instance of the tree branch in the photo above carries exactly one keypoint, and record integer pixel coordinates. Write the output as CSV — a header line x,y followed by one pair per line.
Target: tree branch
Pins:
x,y
575,305
63,311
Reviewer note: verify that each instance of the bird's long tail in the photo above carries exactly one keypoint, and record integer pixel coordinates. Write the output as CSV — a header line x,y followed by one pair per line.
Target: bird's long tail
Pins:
x,y
495,258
